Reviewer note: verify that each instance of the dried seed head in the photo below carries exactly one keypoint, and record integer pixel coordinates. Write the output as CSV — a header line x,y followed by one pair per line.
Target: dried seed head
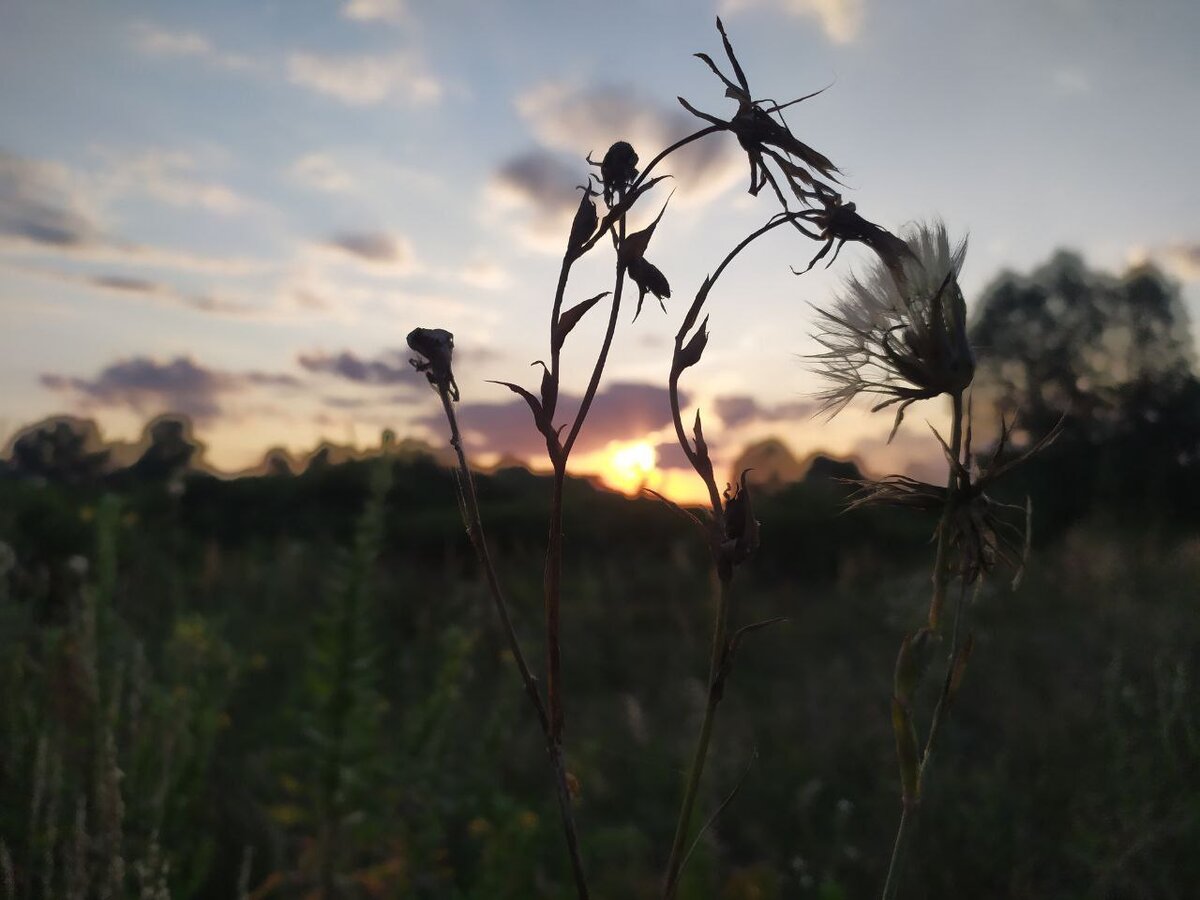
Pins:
x,y
649,279
436,345
586,219
900,332
741,528
618,170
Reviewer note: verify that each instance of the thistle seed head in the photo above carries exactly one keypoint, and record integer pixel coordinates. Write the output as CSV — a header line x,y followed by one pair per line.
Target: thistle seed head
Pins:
x,y
900,332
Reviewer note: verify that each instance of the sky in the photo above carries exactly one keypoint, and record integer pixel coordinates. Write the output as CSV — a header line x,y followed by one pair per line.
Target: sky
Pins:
x,y
238,210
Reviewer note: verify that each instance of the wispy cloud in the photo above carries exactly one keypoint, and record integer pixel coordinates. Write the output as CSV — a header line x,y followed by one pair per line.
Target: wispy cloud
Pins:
x,y
365,80
841,20
622,411
149,386
537,190
322,173
40,204
170,177
738,410
389,368
1182,258
577,119
152,40
393,12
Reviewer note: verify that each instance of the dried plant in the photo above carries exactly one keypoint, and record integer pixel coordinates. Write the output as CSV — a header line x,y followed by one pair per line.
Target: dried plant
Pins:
x,y
898,334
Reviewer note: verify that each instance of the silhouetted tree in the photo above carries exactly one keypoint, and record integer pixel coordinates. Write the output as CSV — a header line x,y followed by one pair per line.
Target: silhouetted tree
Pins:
x,y
1113,355
1110,353
60,449
170,448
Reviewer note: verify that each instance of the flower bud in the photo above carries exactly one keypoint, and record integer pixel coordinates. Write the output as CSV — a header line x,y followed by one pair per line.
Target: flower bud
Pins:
x,y
618,170
436,345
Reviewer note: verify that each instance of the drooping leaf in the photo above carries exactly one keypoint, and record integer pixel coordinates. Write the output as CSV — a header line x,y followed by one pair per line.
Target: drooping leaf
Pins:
x,y
535,405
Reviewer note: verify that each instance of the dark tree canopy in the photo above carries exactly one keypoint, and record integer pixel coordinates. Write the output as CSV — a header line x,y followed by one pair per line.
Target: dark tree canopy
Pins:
x,y
1109,353
60,449
1114,356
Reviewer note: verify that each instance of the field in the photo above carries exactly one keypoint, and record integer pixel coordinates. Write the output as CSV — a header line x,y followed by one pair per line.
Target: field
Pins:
x,y
246,674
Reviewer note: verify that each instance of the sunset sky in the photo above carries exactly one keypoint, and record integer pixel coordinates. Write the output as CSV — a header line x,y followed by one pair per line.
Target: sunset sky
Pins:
x,y
237,210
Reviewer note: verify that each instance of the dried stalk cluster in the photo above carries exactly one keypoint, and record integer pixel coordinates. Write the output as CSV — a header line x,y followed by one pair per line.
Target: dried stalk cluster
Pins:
x,y
898,334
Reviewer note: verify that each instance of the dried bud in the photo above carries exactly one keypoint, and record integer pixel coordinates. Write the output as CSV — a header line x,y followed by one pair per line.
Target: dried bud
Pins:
x,y
586,219
618,170
689,354
741,528
649,279
436,345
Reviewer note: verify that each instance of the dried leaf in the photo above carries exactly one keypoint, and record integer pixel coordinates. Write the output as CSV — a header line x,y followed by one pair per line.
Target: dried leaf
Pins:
x,y
634,246
539,416
960,667
906,751
690,353
570,318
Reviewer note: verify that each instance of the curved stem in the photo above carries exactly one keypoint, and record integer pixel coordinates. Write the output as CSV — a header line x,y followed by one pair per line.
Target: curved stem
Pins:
x,y
682,142
469,504
717,673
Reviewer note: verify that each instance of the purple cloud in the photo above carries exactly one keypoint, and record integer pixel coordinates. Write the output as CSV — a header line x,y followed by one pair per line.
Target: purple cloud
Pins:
x,y
147,385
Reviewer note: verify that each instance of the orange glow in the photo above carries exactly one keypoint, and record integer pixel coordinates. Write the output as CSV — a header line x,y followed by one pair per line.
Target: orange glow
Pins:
x,y
632,466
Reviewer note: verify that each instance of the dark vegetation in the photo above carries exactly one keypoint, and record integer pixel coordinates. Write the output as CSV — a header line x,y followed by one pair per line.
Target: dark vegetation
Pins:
x,y
203,680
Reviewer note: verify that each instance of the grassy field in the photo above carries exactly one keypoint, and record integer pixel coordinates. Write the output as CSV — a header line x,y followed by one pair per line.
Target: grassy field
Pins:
x,y
267,685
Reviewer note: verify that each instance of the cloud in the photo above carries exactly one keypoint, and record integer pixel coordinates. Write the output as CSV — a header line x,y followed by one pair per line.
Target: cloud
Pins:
x,y
168,177
737,410
372,246
485,275
148,386
40,204
1183,259
670,455
322,173
576,119
841,20
541,189
393,12
364,80
49,209
151,40
390,368
623,411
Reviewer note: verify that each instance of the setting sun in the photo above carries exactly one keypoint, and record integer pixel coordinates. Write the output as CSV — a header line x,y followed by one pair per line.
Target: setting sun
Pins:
x,y
630,467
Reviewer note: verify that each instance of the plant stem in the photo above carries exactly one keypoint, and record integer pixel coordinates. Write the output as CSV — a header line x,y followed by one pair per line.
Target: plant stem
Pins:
x,y
943,537
716,688
940,580
474,524
899,852
682,142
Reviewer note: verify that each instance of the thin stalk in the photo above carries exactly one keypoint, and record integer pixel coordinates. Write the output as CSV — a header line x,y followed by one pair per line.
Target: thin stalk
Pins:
x,y
899,852
474,524
943,538
940,581
682,142
716,685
